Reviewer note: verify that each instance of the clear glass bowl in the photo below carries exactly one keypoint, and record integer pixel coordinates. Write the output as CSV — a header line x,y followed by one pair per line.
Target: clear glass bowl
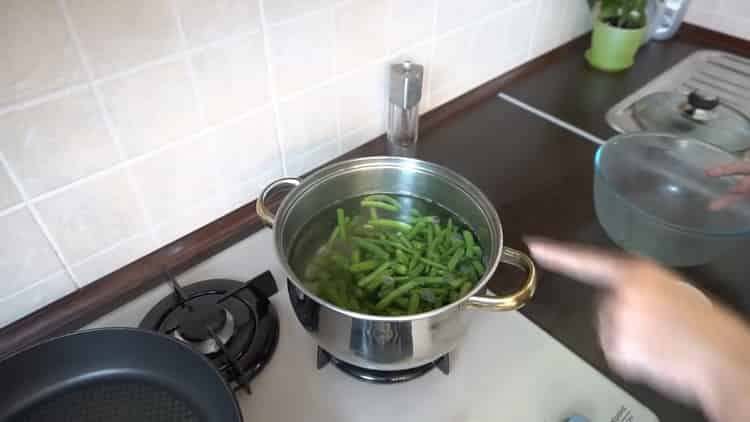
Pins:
x,y
653,198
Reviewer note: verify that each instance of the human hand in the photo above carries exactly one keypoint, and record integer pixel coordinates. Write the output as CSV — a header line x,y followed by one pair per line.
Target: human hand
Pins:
x,y
656,328
739,191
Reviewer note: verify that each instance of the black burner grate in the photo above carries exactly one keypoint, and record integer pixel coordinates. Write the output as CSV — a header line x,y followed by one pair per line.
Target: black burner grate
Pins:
x,y
231,322
383,377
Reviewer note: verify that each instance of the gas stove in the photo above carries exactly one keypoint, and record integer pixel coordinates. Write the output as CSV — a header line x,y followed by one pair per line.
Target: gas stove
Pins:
x,y
506,369
230,322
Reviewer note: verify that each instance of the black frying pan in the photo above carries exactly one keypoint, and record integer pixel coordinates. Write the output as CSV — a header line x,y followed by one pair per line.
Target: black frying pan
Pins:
x,y
113,375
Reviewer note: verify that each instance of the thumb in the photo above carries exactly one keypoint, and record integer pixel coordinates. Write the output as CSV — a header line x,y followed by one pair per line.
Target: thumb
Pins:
x,y
736,168
585,264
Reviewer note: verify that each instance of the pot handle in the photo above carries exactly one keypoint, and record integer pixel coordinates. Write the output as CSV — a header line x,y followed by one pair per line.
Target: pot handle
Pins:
x,y
514,300
264,213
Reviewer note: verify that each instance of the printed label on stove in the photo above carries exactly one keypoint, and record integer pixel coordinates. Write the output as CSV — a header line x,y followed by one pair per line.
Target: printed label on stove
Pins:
x,y
623,415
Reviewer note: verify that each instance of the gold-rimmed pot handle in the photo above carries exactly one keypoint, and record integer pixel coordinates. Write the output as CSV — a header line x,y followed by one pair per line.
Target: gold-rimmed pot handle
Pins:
x,y
517,299
265,214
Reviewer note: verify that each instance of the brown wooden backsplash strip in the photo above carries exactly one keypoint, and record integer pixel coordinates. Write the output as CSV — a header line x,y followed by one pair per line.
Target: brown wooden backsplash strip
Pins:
x,y
100,297
714,40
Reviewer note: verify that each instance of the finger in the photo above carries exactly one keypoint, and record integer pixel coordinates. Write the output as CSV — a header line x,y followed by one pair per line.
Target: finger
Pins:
x,y
582,263
725,202
605,325
739,167
743,187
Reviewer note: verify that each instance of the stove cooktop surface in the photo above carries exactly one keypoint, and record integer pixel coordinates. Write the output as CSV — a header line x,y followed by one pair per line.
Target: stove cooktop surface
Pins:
x,y
507,368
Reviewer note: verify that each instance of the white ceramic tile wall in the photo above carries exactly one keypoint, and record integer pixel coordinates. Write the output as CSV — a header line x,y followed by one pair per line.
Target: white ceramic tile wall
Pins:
x,y
127,124
728,16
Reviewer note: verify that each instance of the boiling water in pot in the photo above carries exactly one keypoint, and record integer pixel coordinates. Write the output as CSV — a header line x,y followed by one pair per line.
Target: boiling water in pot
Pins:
x,y
387,255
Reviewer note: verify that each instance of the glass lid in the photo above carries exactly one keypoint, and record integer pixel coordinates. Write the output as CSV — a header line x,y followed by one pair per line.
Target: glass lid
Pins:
x,y
697,115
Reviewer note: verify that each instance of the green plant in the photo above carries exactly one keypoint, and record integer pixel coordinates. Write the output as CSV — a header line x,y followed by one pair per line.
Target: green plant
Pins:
x,y
626,14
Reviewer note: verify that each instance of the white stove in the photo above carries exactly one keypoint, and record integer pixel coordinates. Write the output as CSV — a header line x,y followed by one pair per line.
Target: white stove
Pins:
x,y
507,368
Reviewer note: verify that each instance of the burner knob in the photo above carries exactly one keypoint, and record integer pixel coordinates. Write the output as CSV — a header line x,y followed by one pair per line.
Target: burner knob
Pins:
x,y
577,418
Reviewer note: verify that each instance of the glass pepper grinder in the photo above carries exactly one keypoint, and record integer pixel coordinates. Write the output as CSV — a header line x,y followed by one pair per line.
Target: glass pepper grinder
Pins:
x,y
405,92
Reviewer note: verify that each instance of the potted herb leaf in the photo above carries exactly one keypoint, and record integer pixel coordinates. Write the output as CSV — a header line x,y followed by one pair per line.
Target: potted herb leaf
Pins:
x,y
619,28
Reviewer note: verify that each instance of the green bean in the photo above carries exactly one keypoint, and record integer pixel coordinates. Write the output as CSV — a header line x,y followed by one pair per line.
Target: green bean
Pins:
x,y
371,247
479,267
430,280
384,290
405,241
465,288
469,242
450,251
341,217
387,258
431,295
434,245
401,257
418,269
332,238
329,293
433,263
401,290
383,198
354,304
363,266
455,258
389,244
340,261
413,305
413,261
415,229
453,296
391,224
471,272
402,302
456,283
373,276
381,205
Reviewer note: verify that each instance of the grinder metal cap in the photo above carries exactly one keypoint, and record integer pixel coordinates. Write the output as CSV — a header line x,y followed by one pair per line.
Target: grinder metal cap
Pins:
x,y
406,84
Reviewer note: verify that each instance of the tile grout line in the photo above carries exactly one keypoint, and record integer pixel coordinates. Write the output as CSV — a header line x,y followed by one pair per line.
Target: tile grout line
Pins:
x,y
272,86
38,220
108,123
188,62
552,119
300,16
433,49
198,97
13,208
335,59
65,91
537,21
150,154
33,285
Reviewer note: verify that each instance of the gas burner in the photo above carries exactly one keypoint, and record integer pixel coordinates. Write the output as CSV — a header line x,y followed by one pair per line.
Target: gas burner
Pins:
x,y
230,322
383,377
199,321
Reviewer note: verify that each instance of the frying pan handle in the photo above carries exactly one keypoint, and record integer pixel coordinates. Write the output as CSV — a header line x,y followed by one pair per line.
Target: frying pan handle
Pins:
x,y
516,299
261,208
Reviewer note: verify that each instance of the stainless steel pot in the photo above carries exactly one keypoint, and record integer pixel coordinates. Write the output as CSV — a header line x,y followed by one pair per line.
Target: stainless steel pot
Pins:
x,y
391,343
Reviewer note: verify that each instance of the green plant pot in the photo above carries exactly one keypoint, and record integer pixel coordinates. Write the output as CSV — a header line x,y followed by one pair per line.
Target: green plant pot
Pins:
x,y
613,49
